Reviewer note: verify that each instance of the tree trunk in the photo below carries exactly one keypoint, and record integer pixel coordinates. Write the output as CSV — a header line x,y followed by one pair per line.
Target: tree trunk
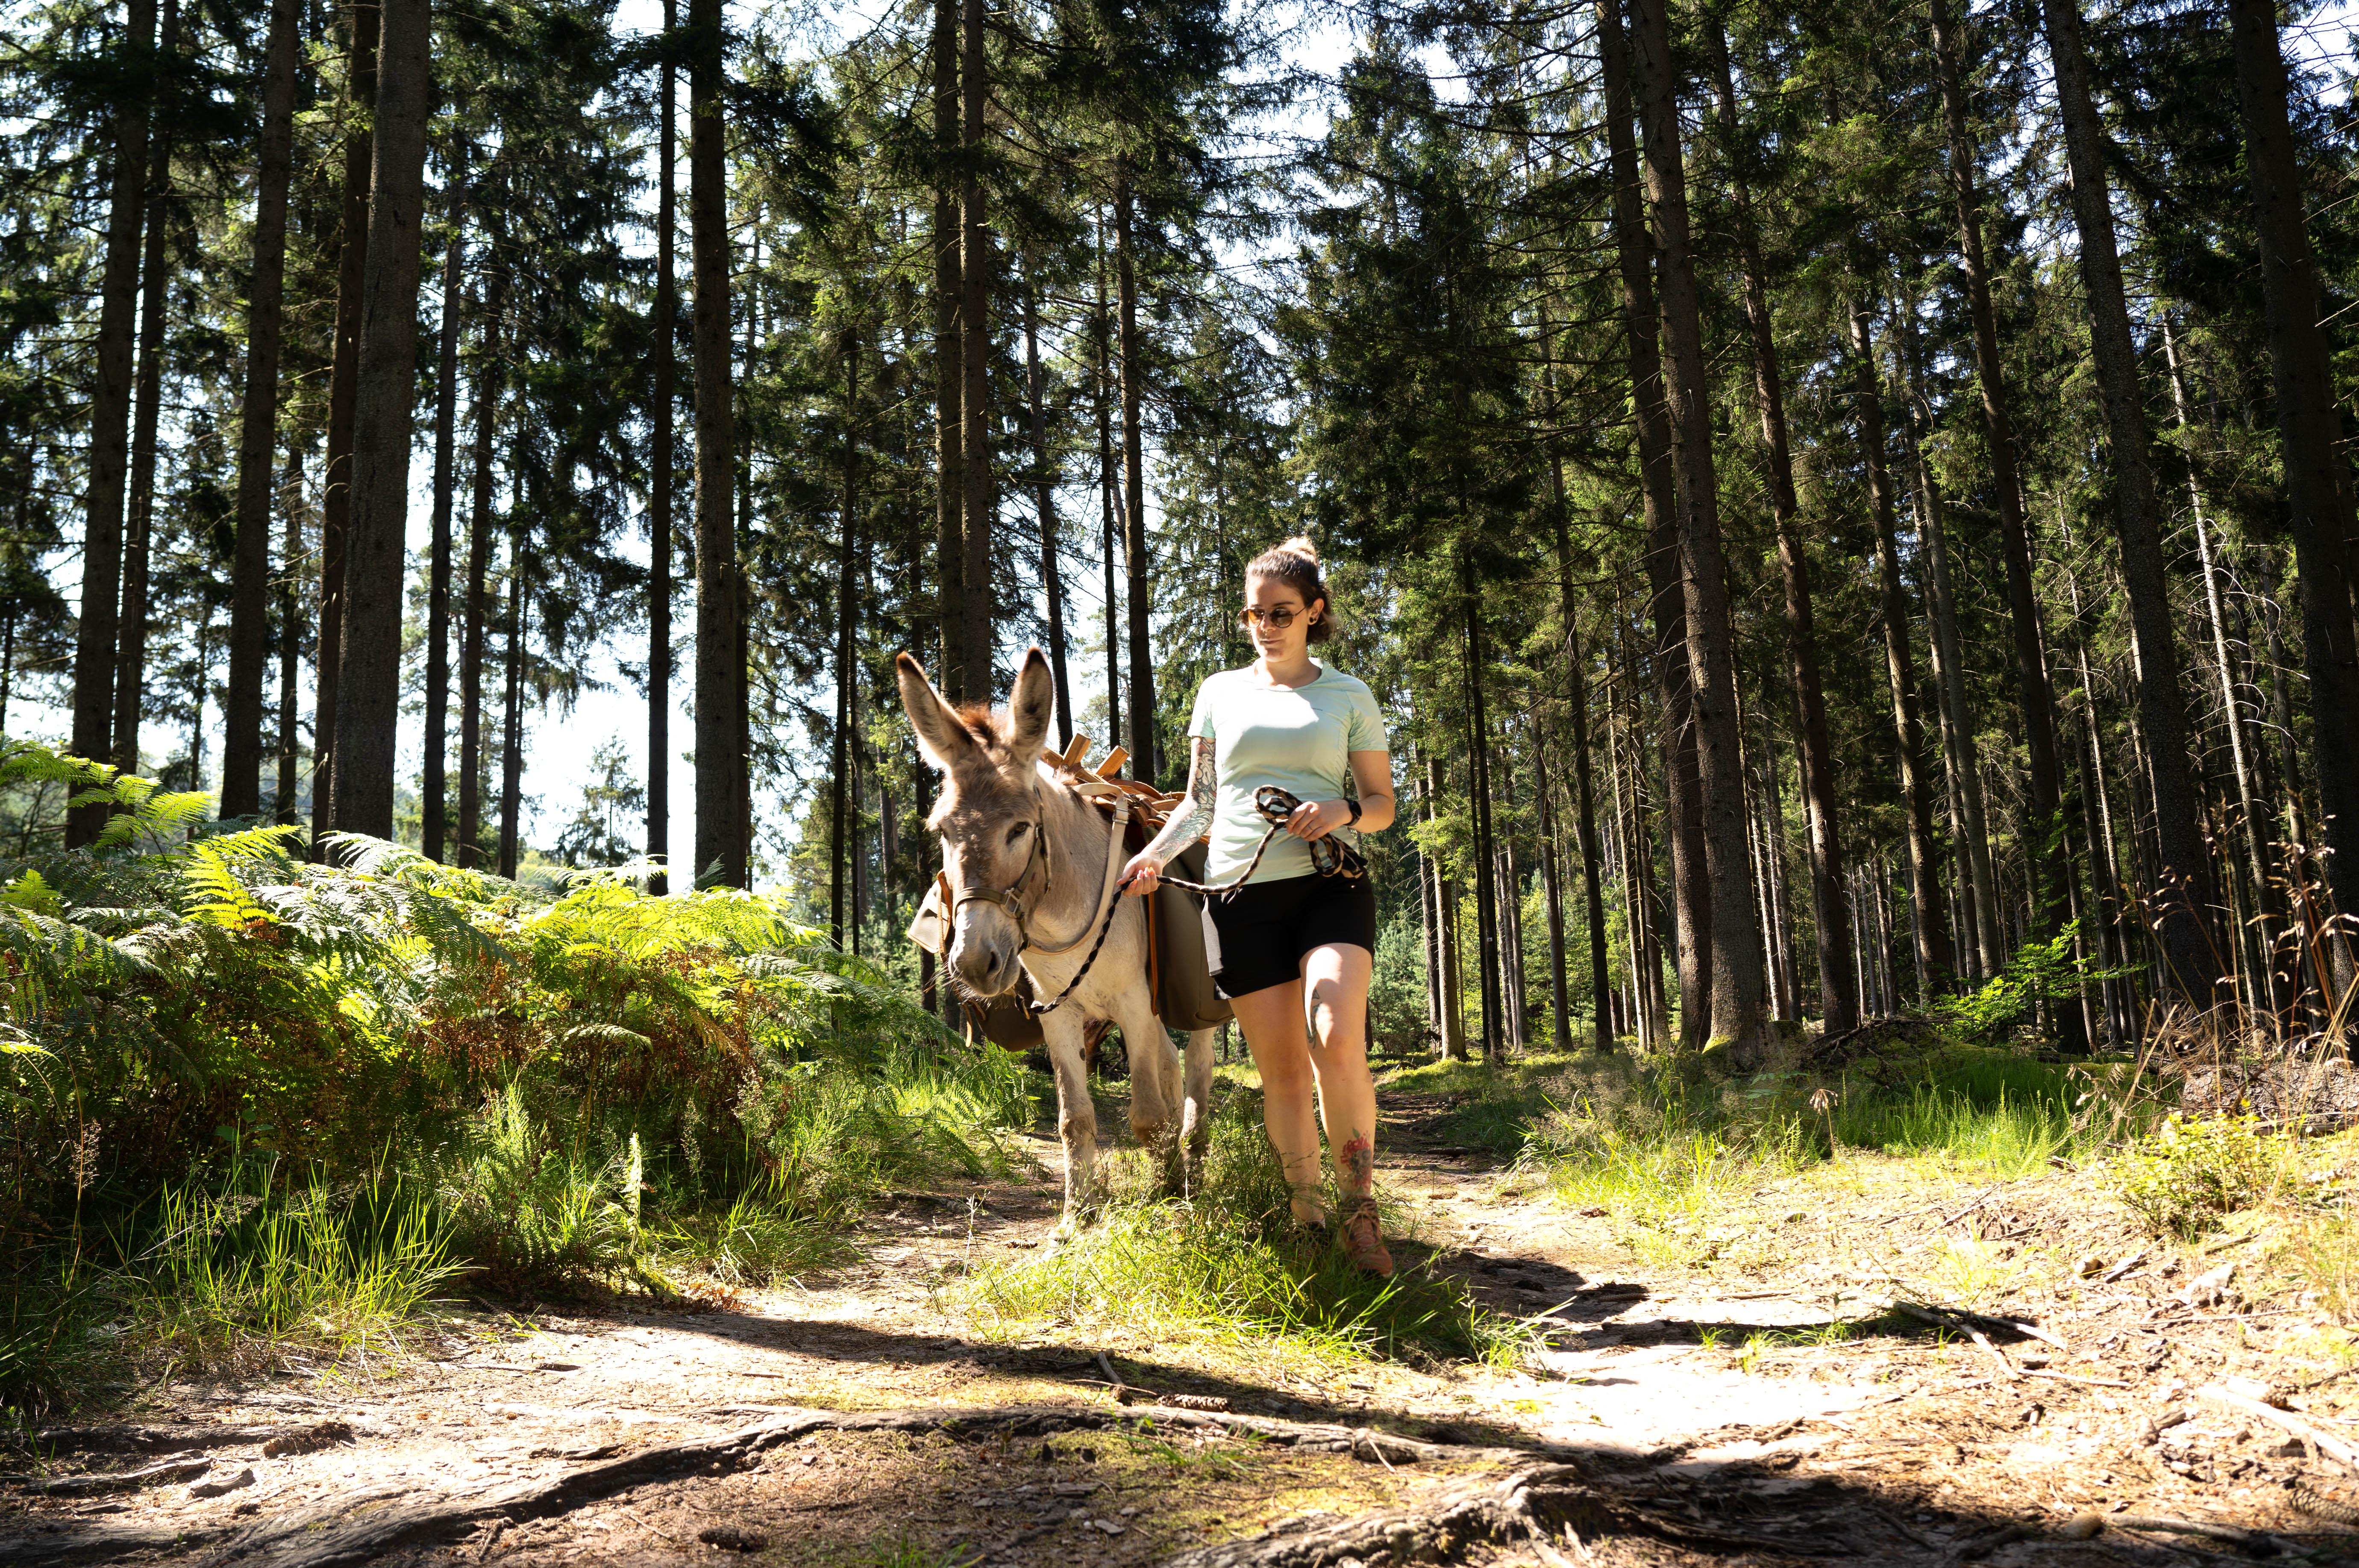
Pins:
x,y
2309,422
1445,892
290,740
720,649
2036,692
1838,1000
1737,977
847,551
2256,938
663,398
950,363
257,436
433,829
1145,761
1052,575
343,382
1959,729
1930,921
981,497
368,685
131,645
1478,778
1577,685
110,423
1101,332
2190,963
512,703
1559,1004
1691,888
475,611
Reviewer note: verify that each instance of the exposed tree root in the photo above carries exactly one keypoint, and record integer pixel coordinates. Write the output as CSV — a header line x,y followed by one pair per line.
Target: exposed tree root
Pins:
x,y
358,1525
1530,1501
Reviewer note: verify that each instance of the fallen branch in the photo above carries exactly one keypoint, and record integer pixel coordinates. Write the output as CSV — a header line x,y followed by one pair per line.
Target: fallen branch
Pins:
x,y
2325,1443
2072,1377
1939,1319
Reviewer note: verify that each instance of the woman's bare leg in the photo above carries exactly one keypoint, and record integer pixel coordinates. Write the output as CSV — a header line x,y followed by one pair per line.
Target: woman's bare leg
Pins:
x,y
1271,1018
1335,990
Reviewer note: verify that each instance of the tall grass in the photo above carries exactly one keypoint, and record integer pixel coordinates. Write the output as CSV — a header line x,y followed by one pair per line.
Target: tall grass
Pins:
x,y
1229,1264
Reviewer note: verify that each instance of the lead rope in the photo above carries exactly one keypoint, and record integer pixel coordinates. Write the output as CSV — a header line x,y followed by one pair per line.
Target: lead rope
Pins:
x,y
1276,805
1107,905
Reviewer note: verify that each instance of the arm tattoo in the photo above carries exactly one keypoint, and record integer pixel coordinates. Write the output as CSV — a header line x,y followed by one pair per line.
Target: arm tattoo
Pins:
x,y
1188,823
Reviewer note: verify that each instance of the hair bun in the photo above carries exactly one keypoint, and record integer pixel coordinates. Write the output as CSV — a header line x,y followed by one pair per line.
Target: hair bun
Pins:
x,y
1301,545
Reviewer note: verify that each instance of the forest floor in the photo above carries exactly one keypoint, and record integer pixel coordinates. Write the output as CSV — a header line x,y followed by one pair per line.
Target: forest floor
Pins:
x,y
1735,1388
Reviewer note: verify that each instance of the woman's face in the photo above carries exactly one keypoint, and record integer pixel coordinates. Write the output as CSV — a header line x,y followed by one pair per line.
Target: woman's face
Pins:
x,y
1269,600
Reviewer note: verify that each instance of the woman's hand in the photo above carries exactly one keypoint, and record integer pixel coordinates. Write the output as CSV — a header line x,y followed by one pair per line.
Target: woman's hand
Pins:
x,y
1317,819
1139,877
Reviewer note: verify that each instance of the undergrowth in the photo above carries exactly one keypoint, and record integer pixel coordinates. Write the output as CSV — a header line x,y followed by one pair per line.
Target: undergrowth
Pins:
x,y
1228,1264
254,1107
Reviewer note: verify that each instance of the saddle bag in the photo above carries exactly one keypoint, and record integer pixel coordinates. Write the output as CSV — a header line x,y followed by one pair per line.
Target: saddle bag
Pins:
x,y
1179,957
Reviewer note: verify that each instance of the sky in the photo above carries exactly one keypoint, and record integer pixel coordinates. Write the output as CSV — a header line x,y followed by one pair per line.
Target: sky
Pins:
x,y
559,745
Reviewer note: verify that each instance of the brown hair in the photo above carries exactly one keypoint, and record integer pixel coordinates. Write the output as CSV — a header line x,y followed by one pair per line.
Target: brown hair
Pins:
x,y
1296,564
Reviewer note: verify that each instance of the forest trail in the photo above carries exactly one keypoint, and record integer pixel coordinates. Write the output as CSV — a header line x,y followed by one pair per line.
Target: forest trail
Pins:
x,y
1745,1399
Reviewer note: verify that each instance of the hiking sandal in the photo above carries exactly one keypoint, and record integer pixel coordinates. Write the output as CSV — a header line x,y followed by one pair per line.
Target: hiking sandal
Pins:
x,y
1364,1242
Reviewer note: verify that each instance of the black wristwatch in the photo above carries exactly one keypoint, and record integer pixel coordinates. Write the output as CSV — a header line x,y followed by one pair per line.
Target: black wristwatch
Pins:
x,y
1353,807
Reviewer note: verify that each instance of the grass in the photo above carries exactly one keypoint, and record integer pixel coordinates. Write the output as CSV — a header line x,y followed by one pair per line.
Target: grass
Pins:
x,y
1228,1266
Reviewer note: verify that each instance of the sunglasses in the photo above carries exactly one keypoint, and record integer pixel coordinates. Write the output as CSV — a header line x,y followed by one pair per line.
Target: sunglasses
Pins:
x,y
1277,620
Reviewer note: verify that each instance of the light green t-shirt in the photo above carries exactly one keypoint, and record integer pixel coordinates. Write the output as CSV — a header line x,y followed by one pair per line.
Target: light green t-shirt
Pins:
x,y
1300,738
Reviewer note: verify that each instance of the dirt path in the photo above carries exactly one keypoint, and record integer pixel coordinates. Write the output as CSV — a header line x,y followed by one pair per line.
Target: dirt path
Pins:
x,y
1700,1398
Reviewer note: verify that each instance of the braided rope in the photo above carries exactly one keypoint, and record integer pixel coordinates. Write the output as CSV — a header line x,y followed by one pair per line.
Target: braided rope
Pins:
x,y
1276,805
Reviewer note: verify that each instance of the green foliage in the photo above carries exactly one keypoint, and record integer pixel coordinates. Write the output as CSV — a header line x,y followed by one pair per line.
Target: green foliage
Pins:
x,y
2186,1174
2040,972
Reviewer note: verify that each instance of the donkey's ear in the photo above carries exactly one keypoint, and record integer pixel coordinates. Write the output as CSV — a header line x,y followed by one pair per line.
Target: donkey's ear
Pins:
x,y
941,735
1030,707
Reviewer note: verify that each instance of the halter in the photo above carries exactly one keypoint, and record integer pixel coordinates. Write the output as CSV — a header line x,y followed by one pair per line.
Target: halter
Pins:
x,y
1011,900
1011,897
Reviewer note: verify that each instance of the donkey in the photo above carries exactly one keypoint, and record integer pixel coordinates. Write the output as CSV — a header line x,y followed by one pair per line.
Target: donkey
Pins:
x,y
1003,818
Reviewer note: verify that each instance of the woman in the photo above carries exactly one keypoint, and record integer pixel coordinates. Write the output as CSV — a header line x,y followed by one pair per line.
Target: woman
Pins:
x,y
1291,935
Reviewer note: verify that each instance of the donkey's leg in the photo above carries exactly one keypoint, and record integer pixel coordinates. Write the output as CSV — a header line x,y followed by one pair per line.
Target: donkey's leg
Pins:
x,y
1153,1081
1196,1119
1077,1118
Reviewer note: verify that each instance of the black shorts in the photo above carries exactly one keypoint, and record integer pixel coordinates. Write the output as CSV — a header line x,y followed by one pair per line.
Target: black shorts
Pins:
x,y
1266,928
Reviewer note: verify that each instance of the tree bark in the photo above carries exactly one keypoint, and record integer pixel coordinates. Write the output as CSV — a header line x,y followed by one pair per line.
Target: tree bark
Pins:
x,y
1690,887
257,442
344,381
1445,891
980,498
110,424
1930,921
1478,778
950,363
1146,759
1838,998
1052,575
720,648
2318,490
131,644
368,685
433,829
512,705
663,396
476,605
1737,979
290,742
2256,938
1560,1005
1101,330
2190,965
2036,692
847,549
1577,685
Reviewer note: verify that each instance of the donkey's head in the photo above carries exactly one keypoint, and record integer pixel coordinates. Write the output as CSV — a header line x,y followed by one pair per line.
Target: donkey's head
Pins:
x,y
989,812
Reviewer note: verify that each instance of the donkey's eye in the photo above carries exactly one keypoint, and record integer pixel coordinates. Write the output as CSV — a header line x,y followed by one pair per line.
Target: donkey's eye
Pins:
x,y
1018,830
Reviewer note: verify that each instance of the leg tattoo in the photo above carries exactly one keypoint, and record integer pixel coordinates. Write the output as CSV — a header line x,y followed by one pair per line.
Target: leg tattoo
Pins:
x,y
1355,1164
